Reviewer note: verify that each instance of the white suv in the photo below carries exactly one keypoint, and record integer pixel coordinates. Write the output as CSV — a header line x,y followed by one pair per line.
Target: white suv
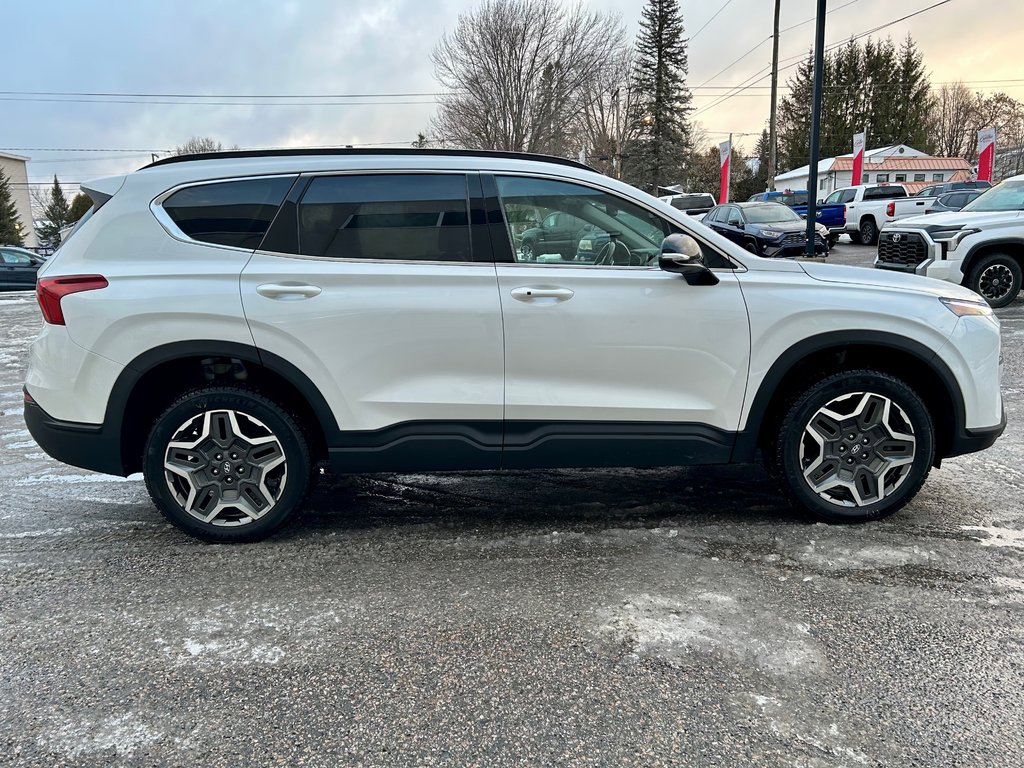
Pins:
x,y
980,246
227,323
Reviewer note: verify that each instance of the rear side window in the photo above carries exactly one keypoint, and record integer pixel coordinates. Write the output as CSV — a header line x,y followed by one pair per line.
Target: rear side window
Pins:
x,y
884,193
235,213
421,217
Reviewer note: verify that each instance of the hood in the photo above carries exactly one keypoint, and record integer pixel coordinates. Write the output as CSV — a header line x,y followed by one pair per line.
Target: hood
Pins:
x,y
953,219
883,278
782,226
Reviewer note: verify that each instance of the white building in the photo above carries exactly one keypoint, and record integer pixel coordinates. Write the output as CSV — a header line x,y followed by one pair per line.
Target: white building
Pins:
x,y
898,164
15,168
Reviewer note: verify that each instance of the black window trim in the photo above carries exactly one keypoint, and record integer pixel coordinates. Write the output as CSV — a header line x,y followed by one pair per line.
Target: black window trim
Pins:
x,y
491,182
473,202
156,206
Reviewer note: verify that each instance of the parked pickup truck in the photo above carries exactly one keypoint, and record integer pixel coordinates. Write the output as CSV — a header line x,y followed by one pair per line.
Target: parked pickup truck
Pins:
x,y
833,217
980,246
869,207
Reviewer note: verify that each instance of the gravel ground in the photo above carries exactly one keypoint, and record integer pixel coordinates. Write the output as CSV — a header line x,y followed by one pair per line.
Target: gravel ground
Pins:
x,y
612,618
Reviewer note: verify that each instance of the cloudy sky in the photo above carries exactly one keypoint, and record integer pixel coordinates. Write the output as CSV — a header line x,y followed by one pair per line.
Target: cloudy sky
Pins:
x,y
247,48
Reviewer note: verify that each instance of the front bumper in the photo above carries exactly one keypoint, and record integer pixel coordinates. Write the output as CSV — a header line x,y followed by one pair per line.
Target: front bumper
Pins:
x,y
88,446
974,440
776,249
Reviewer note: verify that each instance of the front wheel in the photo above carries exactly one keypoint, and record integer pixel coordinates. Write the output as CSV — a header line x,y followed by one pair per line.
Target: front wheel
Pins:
x,y
854,447
226,464
997,278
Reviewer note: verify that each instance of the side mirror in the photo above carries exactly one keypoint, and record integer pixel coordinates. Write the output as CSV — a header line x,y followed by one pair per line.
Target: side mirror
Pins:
x,y
682,255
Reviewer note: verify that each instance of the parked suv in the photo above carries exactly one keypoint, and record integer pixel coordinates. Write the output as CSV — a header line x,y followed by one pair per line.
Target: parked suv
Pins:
x,y
980,246
229,323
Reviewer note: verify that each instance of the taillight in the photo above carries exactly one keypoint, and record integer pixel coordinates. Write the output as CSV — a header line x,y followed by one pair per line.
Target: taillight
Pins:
x,y
50,290
890,209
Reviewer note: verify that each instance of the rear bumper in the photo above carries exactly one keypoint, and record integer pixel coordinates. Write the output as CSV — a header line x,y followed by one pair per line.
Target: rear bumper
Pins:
x,y
88,446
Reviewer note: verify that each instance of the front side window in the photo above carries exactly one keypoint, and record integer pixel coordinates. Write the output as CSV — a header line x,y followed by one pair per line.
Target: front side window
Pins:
x,y
834,197
598,228
417,217
234,213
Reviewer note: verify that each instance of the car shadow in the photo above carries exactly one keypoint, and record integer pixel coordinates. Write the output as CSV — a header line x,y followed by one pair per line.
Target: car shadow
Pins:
x,y
565,499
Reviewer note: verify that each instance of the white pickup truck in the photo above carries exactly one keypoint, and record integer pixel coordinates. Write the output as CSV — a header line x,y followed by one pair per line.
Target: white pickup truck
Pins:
x,y
871,206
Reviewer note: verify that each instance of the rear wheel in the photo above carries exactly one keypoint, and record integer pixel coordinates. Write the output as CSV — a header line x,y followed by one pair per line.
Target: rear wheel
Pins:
x,y
868,231
854,447
997,278
226,464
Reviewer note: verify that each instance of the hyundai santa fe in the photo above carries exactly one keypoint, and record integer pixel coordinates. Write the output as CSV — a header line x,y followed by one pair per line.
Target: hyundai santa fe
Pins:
x,y
229,323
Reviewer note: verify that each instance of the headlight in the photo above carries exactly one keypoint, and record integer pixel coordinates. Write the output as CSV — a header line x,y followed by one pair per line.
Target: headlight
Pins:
x,y
965,307
951,237
770,233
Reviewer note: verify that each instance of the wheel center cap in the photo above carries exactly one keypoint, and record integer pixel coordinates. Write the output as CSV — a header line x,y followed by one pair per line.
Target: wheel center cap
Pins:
x,y
226,466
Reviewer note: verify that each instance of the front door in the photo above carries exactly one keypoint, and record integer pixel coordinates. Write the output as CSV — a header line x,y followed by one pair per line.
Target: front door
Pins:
x,y
611,361
384,302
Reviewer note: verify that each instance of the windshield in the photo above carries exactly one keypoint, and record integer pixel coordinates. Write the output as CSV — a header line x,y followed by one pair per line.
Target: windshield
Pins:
x,y
1008,196
769,214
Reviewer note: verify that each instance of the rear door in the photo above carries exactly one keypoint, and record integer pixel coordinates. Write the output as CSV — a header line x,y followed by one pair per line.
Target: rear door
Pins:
x,y
378,289
17,270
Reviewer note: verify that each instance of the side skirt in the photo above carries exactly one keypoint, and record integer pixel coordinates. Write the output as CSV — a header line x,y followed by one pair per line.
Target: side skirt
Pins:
x,y
454,446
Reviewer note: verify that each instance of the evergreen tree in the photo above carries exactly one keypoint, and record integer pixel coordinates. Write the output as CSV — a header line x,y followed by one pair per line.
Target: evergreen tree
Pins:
x,y
80,205
57,215
659,118
10,224
875,87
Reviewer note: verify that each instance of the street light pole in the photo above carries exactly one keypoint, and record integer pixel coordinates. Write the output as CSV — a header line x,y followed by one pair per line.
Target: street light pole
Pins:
x,y
812,180
772,136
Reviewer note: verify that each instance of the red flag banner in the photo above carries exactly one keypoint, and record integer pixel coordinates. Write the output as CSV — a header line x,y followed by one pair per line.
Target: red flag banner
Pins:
x,y
986,153
858,158
724,155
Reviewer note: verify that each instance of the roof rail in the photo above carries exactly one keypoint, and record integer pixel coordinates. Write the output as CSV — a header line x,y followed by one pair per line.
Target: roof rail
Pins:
x,y
343,151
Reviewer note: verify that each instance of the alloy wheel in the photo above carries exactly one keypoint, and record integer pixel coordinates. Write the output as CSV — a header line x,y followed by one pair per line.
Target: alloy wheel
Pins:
x,y
225,468
857,449
995,282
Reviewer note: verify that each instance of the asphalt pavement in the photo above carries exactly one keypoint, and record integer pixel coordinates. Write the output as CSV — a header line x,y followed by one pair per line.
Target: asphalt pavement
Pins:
x,y
600,618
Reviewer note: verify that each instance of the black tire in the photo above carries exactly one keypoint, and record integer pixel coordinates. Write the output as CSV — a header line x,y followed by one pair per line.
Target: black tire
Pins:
x,y
751,245
528,250
833,241
250,476
996,277
868,231
898,484
855,238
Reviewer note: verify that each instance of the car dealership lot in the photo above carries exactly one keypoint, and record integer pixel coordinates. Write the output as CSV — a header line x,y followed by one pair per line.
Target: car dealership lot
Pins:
x,y
544,618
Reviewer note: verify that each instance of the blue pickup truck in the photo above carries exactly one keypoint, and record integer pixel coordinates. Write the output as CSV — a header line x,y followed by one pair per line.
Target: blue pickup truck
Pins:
x,y
832,215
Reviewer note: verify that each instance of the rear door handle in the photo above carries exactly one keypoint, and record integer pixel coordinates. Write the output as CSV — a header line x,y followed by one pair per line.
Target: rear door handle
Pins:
x,y
534,292
288,291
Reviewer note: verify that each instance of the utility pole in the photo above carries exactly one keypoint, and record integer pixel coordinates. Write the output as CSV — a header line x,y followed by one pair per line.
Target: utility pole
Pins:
x,y
772,138
812,180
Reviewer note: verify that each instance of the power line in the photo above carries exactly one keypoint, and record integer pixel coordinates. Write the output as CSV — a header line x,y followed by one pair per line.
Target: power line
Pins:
x,y
215,103
829,47
223,95
722,8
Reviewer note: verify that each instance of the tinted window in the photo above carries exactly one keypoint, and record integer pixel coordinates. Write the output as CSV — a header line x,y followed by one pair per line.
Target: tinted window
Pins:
x,y
235,213
793,198
884,193
10,257
422,217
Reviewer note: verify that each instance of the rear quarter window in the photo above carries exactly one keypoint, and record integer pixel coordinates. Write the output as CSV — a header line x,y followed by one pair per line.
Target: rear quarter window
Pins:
x,y
234,213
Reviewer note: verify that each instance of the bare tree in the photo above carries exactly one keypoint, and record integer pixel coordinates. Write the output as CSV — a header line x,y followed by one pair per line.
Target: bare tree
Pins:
x,y
604,124
956,118
520,74
199,144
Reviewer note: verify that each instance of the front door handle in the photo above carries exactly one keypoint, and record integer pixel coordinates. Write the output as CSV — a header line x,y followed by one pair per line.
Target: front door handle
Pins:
x,y
533,293
288,291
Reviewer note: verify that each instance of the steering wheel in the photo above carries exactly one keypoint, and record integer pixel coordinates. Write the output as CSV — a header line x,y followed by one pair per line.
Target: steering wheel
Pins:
x,y
616,253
